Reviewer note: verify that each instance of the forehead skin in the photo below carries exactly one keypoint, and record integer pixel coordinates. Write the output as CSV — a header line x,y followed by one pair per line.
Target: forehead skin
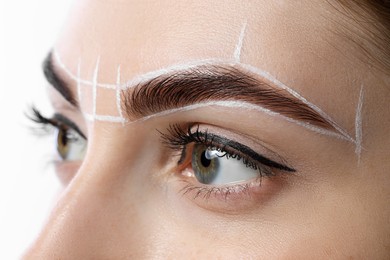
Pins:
x,y
292,40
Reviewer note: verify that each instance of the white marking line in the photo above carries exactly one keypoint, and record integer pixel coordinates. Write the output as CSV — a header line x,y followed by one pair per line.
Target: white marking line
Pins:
x,y
281,85
58,60
242,105
358,125
263,74
118,92
94,87
230,104
193,64
104,118
78,81
237,51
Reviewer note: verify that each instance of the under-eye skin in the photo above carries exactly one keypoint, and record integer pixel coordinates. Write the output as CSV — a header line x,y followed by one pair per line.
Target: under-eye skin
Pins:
x,y
71,143
215,165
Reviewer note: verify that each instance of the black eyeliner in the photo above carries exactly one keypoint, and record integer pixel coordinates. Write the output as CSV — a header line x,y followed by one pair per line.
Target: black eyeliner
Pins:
x,y
245,150
179,138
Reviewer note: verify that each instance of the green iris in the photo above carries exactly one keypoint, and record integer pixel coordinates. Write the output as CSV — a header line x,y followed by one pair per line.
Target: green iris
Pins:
x,y
205,169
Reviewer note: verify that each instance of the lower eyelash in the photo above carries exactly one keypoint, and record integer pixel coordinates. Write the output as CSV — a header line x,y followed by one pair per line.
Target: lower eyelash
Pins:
x,y
221,193
205,192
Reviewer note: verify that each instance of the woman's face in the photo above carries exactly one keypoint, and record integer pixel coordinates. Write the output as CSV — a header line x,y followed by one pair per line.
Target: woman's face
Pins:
x,y
230,129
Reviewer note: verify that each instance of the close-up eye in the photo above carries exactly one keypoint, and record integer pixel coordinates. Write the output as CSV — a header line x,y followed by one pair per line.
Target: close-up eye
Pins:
x,y
70,142
217,163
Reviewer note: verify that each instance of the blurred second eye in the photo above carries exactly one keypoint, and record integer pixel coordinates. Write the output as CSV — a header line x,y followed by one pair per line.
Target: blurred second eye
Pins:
x,y
71,146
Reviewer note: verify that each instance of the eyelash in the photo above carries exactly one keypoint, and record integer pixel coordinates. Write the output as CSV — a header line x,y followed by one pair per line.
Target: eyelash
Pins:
x,y
47,125
177,139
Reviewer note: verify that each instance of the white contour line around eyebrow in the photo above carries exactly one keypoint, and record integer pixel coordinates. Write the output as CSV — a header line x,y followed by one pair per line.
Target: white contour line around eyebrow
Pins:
x,y
359,125
229,104
247,106
236,62
193,64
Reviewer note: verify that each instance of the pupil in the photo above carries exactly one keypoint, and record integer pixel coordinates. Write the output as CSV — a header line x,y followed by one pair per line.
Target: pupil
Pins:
x,y
205,162
64,137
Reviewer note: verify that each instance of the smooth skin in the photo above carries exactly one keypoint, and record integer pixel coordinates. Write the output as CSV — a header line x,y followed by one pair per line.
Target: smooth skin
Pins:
x,y
124,201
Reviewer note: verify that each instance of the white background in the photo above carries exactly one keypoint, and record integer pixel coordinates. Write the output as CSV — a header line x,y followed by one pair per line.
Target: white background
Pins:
x,y
27,182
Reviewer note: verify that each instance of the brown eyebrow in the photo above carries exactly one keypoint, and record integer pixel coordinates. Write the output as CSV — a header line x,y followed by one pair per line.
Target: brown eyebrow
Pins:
x,y
56,81
200,84
208,83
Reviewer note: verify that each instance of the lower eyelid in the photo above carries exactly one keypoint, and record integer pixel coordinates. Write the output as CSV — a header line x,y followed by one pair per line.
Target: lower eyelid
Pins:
x,y
233,199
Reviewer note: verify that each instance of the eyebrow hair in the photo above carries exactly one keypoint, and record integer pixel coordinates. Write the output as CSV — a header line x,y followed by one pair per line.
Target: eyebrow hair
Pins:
x,y
209,83
56,81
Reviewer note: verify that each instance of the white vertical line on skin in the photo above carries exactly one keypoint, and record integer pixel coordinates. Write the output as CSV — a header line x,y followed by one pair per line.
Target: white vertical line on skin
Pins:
x,y
358,125
58,60
78,81
94,87
237,51
118,92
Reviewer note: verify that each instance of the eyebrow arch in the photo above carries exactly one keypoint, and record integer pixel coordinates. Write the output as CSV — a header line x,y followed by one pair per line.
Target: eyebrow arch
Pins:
x,y
208,84
56,81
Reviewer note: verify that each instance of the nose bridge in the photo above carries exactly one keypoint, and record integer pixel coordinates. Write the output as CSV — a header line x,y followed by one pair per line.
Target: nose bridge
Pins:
x,y
98,210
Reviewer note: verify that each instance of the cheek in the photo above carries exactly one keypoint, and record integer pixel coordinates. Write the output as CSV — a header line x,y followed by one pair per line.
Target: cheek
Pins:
x,y
335,222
